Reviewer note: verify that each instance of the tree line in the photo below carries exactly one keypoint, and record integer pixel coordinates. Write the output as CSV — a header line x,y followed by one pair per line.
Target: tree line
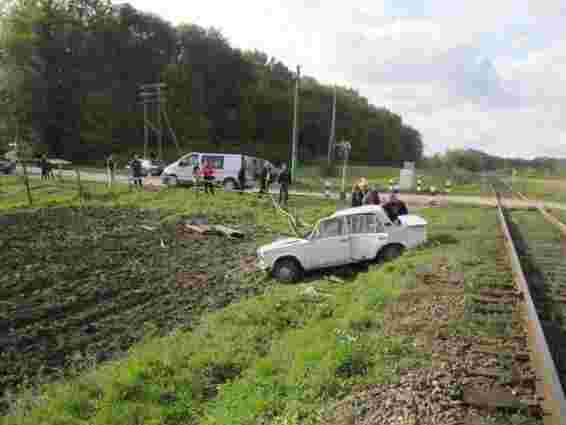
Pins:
x,y
71,70
476,161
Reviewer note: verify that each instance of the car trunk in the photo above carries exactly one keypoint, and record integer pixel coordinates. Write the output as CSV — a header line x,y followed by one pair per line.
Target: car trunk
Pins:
x,y
416,229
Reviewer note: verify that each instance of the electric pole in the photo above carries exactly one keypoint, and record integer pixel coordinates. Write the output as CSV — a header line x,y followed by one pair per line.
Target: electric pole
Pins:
x,y
145,130
332,128
295,124
160,134
151,94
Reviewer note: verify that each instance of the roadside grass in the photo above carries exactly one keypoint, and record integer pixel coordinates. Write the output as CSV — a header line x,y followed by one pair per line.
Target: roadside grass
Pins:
x,y
282,357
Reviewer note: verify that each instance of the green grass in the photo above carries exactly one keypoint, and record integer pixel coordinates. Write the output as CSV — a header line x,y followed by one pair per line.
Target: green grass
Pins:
x,y
282,357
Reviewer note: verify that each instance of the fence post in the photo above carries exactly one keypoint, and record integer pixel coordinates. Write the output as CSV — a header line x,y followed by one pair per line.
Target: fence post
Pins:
x,y
26,182
80,186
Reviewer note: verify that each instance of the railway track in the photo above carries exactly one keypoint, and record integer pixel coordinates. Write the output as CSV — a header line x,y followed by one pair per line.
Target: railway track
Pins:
x,y
535,242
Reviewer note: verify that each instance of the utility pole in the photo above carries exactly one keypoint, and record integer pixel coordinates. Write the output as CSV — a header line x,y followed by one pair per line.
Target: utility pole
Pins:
x,y
332,128
160,134
295,124
151,94
145,130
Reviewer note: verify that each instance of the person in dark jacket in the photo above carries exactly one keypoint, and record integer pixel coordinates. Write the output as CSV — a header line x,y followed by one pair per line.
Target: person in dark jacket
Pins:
x,y
395,207
284,181
357,196
242,179
136,167
371,197
208,175
263,178
44,165
111,168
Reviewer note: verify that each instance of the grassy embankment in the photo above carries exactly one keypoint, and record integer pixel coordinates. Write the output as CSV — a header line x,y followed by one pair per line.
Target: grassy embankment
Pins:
x,y
282,357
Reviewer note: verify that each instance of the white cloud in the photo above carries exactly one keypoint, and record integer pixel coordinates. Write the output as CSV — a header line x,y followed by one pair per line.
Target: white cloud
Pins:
x,y
463,74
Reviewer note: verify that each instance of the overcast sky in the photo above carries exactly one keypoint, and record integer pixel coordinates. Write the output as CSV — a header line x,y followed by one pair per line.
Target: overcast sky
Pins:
x,y
481,74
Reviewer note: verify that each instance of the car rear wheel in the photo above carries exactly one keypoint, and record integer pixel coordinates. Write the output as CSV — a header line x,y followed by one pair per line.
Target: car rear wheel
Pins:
x,y
391,252
287,270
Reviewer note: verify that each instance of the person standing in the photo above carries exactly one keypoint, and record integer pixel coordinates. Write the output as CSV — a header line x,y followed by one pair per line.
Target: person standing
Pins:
x,y
110,166
395,207
284,181
263,178
208,175
371,197
357,196
242,178
43,165
136,167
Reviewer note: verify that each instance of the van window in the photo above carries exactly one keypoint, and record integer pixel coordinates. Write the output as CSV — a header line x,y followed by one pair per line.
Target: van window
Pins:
x,y
217,162
194,160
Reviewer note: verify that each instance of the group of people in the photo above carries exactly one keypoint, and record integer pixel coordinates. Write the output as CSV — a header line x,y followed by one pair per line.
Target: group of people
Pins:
x,y
362,194
267,176
207,174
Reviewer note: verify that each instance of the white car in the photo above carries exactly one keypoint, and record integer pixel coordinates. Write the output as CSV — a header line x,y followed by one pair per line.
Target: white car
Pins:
x,y
352,235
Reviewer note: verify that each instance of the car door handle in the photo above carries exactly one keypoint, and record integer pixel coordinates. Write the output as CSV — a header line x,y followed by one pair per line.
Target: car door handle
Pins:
x,y
344,240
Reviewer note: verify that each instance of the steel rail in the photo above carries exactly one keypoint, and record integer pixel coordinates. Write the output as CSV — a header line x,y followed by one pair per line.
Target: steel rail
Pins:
x,y
554,401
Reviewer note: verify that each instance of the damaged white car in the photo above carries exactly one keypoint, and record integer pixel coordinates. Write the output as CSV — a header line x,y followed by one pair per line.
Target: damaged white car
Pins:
x,y
352,235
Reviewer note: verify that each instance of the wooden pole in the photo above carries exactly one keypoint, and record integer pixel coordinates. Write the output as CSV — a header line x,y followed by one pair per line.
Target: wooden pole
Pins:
x,y
295,124
332,128
160,134
79,185
145,130
26,182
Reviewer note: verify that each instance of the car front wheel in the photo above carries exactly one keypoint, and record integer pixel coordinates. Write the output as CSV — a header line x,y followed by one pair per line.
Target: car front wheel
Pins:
x,y
287,270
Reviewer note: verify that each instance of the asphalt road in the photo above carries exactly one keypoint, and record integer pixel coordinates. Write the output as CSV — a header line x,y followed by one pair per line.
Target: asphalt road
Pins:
x,y
411,199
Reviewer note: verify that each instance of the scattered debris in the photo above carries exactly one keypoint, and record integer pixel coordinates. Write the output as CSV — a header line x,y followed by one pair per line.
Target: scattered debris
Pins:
x,y
248,264
188,280
231,233
334,278
162,244
148,228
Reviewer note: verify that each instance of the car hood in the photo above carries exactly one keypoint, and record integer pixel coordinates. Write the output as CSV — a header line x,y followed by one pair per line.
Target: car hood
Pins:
x,y
412,220
282,243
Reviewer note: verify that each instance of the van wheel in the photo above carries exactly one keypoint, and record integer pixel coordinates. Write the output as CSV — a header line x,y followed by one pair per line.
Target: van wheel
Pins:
x,y
390,252
229,185
287,270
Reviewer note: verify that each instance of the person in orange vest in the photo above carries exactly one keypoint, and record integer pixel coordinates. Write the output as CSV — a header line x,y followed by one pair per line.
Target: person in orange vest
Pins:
x,y
208,175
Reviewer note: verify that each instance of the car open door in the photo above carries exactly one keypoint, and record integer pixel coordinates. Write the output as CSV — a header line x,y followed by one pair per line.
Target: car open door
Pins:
x,y
329,244
367,236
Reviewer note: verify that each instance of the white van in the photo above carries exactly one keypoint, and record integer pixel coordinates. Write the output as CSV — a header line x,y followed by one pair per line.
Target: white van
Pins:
x,y
226,168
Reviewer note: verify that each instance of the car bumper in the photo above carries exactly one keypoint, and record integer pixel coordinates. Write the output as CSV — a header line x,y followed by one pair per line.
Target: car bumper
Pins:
x,y
262,265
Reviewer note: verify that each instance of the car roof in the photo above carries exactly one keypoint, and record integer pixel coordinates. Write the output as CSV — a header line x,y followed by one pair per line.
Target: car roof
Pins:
x,y
364,209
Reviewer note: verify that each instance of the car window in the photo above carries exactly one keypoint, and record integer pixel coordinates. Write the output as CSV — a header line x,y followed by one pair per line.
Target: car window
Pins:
x,y
330,228
217,162
365,223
